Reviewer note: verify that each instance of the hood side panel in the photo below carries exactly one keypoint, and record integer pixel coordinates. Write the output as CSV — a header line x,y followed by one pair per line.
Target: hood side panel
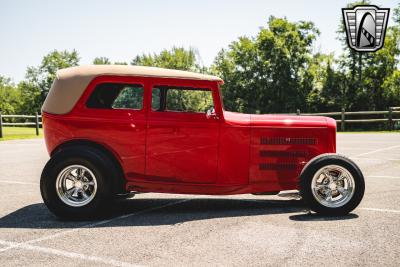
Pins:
x,y
280,120
278,154
236,119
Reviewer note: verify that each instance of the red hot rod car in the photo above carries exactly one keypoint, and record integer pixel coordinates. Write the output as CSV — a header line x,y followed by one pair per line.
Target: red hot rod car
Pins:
x,y
117,129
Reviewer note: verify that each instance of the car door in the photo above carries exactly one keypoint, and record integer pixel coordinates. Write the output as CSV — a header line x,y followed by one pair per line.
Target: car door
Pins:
x,y
182,141
114,115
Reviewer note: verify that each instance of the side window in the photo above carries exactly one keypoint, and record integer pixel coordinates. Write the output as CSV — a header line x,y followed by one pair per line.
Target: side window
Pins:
x,y
116,96
129,97
156,99
181,99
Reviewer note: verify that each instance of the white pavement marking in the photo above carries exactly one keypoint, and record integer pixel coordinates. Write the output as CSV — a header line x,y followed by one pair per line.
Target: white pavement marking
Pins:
x,y
61,233
17,182
67,254
381,210
353,148
18,144
377,150
374,159
383,176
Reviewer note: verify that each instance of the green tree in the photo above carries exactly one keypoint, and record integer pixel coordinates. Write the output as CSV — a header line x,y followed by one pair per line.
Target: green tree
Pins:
x,y
177,58
269,72
396,14
106,61
379,66
38,80
10,97
351,63
101,61
31,97
391,87
329,85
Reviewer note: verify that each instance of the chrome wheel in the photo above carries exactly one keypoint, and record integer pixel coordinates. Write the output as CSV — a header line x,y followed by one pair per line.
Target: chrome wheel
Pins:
x,y
333,186
76,185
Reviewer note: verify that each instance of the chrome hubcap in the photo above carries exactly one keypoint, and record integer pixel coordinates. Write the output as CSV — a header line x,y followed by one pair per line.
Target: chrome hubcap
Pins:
x,y
333,186
76,185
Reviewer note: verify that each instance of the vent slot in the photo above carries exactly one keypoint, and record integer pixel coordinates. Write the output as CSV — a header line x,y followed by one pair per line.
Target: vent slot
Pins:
x,y
290,154
277,166
287,141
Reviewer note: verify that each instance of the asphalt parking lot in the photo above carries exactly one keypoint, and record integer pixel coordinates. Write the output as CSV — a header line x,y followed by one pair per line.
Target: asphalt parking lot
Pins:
x,y
187,230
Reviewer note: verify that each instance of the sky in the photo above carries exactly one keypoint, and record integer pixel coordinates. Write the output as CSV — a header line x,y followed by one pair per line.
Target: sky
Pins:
x,y
122,29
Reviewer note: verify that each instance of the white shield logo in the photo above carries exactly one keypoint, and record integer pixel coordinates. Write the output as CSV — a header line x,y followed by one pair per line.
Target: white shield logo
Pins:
x,y
365,27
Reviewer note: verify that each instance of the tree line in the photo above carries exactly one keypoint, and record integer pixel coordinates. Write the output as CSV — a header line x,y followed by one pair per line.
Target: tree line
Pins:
x,y
275,71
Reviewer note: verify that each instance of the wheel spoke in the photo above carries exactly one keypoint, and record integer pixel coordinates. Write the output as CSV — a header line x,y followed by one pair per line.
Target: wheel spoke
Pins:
x,y
75,193
321,186
70,177
84,194
328,196
342,190
80,172
340,177
327,175
70,191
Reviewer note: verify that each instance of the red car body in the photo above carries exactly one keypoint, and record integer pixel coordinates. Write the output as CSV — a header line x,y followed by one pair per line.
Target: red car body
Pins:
x,y
181,152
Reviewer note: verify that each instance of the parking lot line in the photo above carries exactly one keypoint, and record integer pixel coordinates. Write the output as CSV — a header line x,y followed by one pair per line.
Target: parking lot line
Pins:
x,y
17,182
381,210
67,254
383,176
373,159
61,233
377,150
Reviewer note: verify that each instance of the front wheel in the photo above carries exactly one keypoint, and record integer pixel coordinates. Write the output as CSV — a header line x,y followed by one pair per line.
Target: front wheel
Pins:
x,y
332,184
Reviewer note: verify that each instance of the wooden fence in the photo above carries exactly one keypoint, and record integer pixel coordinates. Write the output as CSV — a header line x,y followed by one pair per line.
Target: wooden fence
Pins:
x,y
30,120
389,117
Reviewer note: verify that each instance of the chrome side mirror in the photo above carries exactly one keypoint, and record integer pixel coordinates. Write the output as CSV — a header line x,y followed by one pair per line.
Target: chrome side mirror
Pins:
x,y
211,114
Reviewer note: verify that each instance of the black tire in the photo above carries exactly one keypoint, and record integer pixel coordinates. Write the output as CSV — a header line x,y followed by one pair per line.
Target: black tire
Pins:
x,y
316,164
91,158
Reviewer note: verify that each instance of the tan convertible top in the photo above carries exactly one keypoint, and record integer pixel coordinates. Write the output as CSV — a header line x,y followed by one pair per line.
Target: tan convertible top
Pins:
x,y
70,83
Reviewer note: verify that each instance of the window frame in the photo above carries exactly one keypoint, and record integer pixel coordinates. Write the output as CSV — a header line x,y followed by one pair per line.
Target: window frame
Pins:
x,y
164,97
124,86
187,117
81,110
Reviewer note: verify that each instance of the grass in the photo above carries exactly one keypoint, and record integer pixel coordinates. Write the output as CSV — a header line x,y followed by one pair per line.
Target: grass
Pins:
x,y
11,133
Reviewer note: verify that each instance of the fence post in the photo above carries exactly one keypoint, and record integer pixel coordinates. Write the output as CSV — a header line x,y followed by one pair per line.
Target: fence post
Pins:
x,y
37,123
390,120
1,126
298,112
342,120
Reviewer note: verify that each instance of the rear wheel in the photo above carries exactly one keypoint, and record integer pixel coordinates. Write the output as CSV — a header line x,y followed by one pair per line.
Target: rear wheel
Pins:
x,y
76,183
332,184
